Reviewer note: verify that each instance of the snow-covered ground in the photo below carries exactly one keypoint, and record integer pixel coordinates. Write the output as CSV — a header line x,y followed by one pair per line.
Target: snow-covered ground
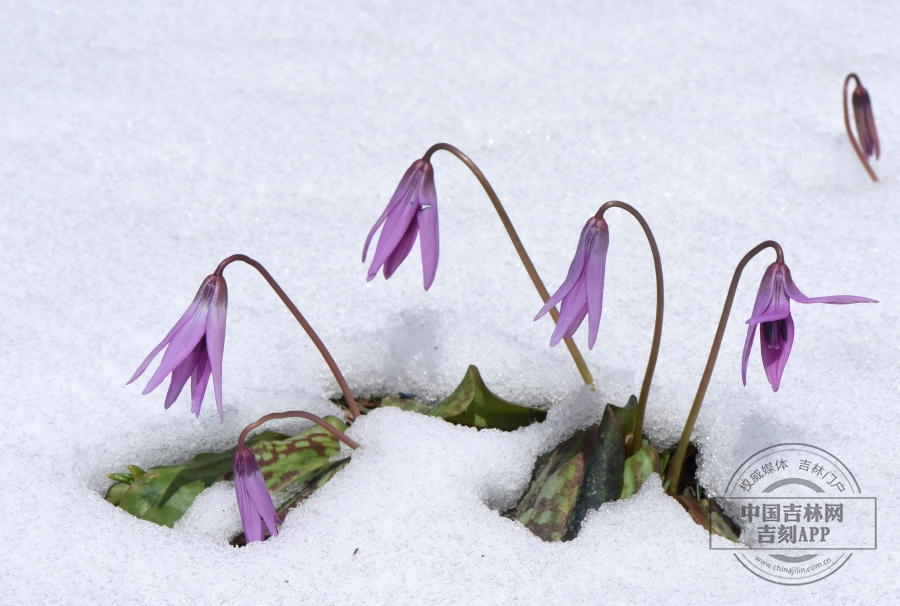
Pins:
x,y
143,142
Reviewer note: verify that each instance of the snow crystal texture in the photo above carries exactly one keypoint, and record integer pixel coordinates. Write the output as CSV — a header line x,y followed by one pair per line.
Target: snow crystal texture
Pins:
x,y
142,142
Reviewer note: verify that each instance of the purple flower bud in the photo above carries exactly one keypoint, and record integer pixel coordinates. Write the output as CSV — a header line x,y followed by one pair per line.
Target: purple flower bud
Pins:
x,y
253,498
865,122
194,347
772,312
582,291
412,209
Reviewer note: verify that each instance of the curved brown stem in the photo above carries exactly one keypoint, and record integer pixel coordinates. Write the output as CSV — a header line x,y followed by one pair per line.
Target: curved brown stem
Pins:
x,y
859,154
675,465
638,433
345,389
303,415
523,256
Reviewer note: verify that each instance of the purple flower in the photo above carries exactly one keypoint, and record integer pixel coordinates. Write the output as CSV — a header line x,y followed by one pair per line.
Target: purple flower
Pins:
x,y
865,121
195,347
772,312
582,291
412,209
253,498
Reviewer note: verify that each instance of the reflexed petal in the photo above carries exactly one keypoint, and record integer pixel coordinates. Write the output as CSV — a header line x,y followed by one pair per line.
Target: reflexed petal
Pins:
x,y
748,344
397,198
180,376
179,325
404,246
794,293
595,273
397,222
775,358
576,269
215,337
427,217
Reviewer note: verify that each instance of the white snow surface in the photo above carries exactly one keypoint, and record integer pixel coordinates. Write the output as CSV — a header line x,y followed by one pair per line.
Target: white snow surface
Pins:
x,y
142,142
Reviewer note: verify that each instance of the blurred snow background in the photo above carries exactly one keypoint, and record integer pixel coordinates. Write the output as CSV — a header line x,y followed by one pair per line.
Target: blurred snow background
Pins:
x,y
143,142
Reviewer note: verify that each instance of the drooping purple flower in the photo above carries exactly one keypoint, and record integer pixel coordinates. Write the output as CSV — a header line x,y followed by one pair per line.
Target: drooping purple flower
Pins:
x,y
412,209
254,501
194,347
772,312
582,292
865,121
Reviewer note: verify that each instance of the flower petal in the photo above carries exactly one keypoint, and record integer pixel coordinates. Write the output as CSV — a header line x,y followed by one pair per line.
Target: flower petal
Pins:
x,y
396,224
427,217
595,273
199,381
771,301
215,337
179,325
404,246
396,199
250,518
181,345
180,376
571,314
794,293
775,355
748,344
576,269
248,481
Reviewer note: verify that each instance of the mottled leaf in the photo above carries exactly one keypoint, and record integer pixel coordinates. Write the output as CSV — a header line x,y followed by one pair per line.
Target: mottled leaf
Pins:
x,y
472,404
707,513
163,494
639,467
545,507
408,404
603,476
289,461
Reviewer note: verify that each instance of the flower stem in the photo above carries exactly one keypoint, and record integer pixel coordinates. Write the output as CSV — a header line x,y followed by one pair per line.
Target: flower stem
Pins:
x,y
638,433
523,256
345,389
862,157
675,465
303,415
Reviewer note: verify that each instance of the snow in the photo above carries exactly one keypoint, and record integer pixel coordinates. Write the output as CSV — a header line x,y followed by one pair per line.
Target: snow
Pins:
x,y
141,143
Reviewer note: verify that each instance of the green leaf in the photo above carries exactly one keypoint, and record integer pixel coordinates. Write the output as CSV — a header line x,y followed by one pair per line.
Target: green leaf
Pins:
x,y
116,492
603,476
135,471
545,507
625,415
125,478
472,404
639,467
